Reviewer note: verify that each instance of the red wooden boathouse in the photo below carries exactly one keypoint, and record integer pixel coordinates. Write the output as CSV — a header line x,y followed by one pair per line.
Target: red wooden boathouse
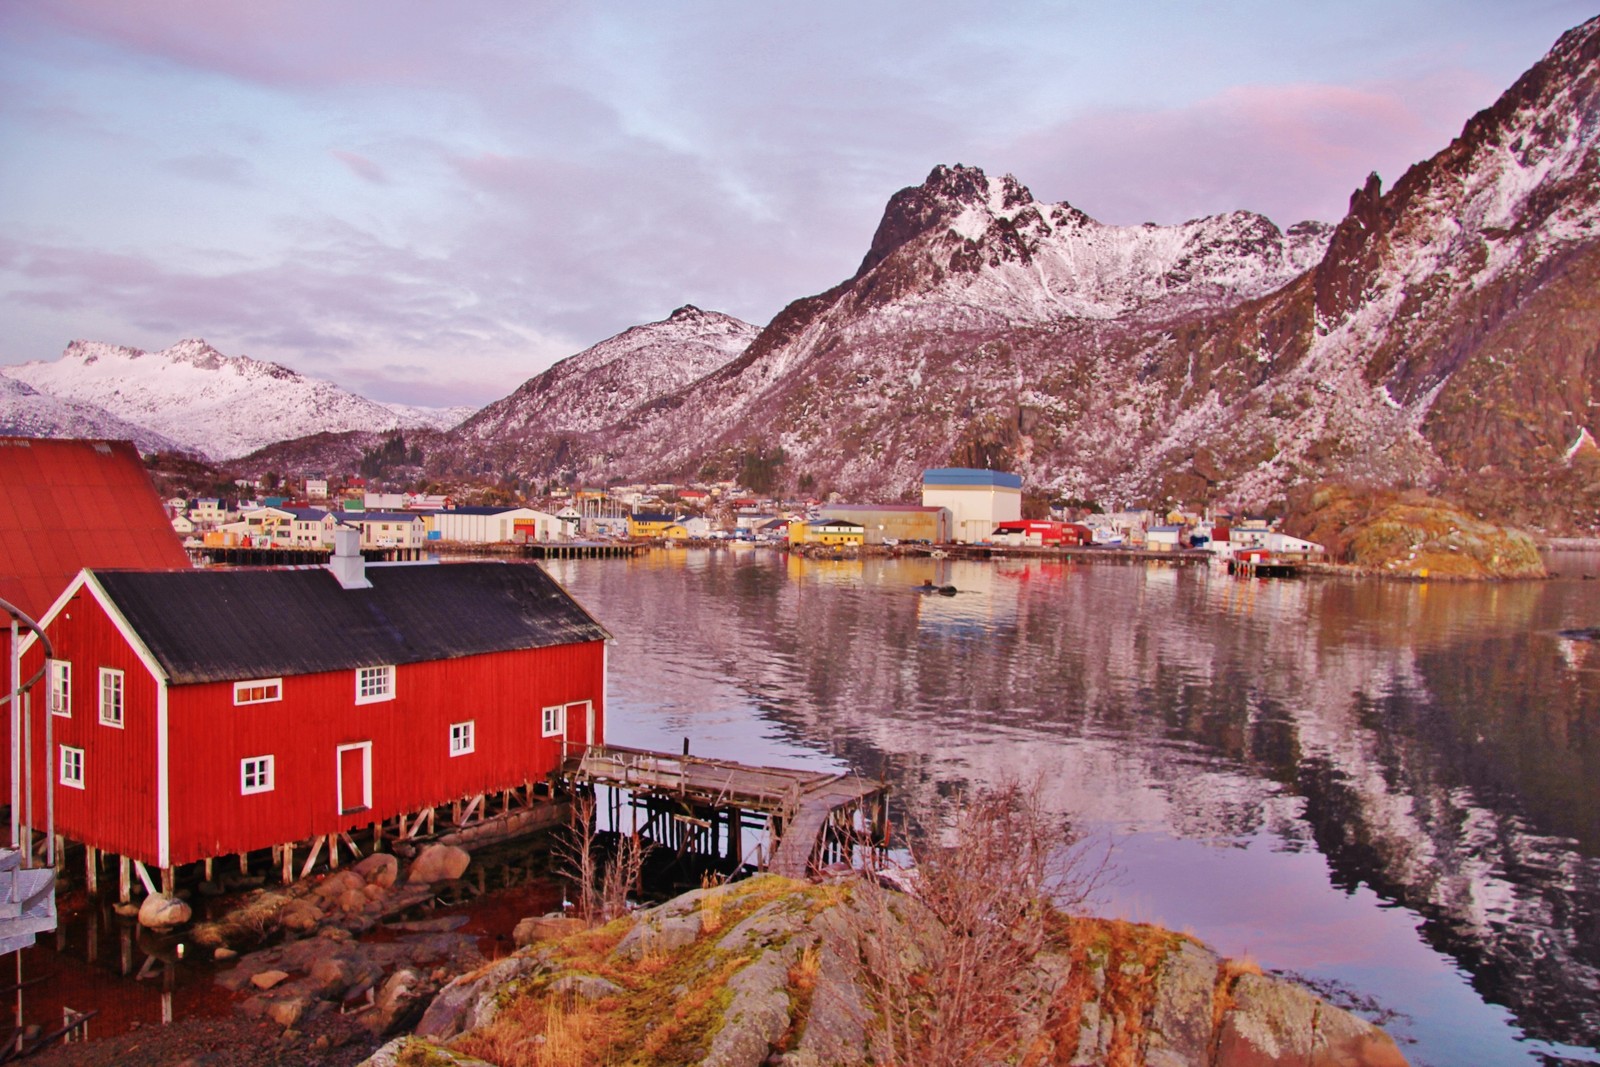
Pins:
x,y
208,712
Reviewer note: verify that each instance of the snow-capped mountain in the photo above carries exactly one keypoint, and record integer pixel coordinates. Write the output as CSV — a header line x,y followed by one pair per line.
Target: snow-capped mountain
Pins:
x,y
592,389
26,412
1446,332
221,406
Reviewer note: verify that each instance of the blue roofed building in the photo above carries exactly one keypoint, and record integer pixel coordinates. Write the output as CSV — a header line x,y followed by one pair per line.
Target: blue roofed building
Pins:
x,y
979,500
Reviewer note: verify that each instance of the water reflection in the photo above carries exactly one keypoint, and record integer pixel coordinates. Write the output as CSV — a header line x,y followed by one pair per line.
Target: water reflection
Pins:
x,y
1386,780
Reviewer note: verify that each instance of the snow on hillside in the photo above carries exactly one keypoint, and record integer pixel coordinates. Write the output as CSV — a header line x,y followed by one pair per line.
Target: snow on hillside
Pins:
x,y
431,418
601,384
221,406
1011,256
26,412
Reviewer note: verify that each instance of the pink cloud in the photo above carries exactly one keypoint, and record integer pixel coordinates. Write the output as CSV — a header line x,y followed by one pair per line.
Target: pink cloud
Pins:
x,y
1291,152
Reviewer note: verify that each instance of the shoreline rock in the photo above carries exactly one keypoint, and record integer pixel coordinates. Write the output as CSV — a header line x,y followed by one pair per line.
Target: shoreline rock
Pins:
x,y
770,972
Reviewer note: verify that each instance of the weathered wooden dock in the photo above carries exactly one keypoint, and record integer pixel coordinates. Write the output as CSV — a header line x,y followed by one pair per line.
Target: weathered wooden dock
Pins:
x,y
804,819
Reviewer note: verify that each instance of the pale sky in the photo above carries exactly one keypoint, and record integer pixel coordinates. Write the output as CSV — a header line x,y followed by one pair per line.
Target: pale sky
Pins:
x,y
430,202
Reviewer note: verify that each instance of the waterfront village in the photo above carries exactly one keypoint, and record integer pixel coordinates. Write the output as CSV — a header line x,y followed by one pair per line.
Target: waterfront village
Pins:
x,y
958,507
251,768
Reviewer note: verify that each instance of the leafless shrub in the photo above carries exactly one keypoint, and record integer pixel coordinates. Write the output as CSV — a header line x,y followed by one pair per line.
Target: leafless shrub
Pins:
x,y
943,964
602,883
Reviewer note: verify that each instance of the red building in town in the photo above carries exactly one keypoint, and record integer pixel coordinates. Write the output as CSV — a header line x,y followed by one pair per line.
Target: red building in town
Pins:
x,y
207,712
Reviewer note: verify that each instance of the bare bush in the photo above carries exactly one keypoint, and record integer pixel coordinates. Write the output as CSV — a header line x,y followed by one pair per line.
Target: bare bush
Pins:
x,y
602,882
943,964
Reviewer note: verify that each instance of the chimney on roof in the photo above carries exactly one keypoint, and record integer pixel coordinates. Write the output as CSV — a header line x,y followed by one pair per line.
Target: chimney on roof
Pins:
x,y
347,564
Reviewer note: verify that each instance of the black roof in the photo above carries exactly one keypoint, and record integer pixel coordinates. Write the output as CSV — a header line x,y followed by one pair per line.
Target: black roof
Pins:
x,y
224,625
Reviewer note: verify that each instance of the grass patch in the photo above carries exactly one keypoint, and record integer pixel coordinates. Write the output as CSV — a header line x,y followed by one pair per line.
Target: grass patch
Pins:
x,y
670,1006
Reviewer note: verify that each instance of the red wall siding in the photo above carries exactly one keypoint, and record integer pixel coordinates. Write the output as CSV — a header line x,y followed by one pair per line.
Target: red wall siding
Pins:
x,y
116,809
502,693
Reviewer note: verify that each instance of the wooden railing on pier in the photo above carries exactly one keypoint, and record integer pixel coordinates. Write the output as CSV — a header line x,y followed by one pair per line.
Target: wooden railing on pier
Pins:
x,y
809,816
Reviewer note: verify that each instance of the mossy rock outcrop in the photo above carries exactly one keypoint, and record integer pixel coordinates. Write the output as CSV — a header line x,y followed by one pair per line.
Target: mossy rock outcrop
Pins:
x,y
770,971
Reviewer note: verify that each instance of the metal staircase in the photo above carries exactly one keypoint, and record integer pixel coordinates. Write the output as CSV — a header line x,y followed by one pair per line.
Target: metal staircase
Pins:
x,y
27,901
27,892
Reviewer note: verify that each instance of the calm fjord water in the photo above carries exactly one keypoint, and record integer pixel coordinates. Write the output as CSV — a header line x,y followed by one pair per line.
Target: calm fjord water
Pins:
x,y
1391,790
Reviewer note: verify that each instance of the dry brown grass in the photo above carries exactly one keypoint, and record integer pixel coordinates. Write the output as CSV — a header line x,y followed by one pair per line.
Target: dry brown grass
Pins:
x,y
556,1031
1129,956
1228,973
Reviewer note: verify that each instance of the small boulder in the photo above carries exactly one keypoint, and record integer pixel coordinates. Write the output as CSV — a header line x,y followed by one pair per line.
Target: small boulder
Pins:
x,y
543,928
439,863
161,912
379,869
300,916
333,975
288,1011
268,979
338,883
352,901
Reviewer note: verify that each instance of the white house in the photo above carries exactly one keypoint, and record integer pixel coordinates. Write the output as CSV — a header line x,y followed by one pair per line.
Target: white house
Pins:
x,y
495,525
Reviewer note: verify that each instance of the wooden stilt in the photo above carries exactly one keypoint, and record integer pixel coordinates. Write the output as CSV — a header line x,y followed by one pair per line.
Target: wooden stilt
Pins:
x,y
244,863
144,877
288,862
124,882
210,869
91,870
377,837
169,880
311,860
350,843
333,852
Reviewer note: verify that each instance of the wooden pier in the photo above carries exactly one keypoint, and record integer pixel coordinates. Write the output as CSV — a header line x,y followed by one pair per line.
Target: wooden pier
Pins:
x,y
689,803
1263,568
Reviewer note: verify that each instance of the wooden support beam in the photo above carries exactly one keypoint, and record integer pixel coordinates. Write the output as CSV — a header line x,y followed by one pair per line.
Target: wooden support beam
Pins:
x,y
311,860
169,880
244,863
210,869
349,842
91,870
144,876
288,862
124,881
333,852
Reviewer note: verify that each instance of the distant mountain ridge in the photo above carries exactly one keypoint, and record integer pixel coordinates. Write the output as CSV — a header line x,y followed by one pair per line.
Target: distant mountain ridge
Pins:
x,y
220,406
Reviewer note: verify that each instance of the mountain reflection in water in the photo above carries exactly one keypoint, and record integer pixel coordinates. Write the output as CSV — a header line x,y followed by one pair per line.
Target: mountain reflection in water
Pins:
x,y
1390,789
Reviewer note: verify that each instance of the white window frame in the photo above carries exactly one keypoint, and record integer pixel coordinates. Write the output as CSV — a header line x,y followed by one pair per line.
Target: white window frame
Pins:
x,y
61,688
71,765
371,694
240,688
113,712
263,769
463,737
554,721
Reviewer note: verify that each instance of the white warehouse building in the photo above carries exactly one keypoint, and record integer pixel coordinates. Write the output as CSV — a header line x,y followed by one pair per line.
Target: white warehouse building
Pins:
x,y
979,500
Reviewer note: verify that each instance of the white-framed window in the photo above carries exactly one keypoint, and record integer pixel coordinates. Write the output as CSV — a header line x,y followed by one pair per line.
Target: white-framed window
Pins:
x,y
111,697
555,721
259,691
60,687
374,684
255,774
461,737
72,767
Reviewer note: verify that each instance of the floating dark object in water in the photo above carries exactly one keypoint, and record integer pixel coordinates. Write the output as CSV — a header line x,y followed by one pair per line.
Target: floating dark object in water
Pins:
x,y
942,590
1591,633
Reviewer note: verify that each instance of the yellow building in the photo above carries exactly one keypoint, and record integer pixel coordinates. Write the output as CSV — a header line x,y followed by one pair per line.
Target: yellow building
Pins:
x,y
649,525
840,532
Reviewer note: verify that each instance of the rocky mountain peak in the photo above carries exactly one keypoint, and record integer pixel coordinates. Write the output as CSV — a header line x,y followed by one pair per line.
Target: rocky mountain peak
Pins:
x,y
944,196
